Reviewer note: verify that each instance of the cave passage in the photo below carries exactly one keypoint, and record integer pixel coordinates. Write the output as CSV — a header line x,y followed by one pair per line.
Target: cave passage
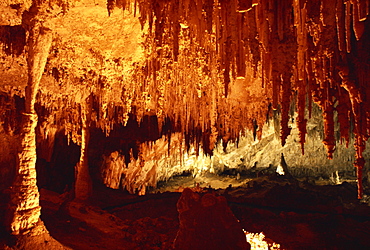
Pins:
x,y
184,124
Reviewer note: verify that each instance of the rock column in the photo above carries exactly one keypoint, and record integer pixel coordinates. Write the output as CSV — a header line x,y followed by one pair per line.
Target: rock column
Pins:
x,y
24,208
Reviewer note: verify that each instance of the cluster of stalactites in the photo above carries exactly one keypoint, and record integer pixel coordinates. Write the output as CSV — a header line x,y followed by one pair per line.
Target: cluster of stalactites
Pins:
x,y
197,77
187,76
303,50
332,64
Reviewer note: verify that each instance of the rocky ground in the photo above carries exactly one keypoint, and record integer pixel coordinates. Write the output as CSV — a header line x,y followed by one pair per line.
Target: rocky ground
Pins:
x,y
295,214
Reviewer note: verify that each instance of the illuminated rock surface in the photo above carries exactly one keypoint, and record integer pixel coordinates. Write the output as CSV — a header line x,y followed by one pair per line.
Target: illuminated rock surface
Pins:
x,y
208,70
129,93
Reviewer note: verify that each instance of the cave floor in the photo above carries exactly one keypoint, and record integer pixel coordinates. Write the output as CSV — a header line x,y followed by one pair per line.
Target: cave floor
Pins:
x,y
223,181
206,180
296,215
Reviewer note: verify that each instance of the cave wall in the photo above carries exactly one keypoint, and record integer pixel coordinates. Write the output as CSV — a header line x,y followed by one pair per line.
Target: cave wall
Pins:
x,y
11,108
8,158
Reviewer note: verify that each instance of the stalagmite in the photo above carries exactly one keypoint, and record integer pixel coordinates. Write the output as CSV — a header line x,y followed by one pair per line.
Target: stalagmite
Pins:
x,y
83,183
25,209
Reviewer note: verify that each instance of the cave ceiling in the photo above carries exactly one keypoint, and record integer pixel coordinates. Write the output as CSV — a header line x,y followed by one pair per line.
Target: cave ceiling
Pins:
x,y
206,68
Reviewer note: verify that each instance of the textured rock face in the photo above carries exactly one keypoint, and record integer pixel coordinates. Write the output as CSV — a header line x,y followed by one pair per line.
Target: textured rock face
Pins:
x,y
206,222
159,160
25,210
7,157
205,69
199,65
265,152
83,185
112,170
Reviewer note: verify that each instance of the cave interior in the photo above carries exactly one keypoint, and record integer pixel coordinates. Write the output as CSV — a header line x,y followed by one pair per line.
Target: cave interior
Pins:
x,y
184,124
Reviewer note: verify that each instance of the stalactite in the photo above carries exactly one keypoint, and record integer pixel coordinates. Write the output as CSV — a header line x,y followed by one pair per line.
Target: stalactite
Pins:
x,y
252,37
301,120
286,94
195,47
343,111
226,43
175,29
310,82
111,4
358,26
301,41
329,140
240,54
356,100
339,14
363,9
208,8
359,163
141,173
348,25
212,67
301,75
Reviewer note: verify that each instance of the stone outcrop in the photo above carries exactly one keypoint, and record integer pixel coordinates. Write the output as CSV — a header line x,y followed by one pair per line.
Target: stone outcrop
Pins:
x,y
206,222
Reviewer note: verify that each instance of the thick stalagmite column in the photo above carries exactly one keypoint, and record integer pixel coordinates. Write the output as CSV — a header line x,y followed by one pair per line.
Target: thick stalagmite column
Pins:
x,y
24,208
82,178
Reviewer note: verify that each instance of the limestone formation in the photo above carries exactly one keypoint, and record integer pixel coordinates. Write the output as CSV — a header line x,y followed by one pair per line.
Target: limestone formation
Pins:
x,y
169,84
206,222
